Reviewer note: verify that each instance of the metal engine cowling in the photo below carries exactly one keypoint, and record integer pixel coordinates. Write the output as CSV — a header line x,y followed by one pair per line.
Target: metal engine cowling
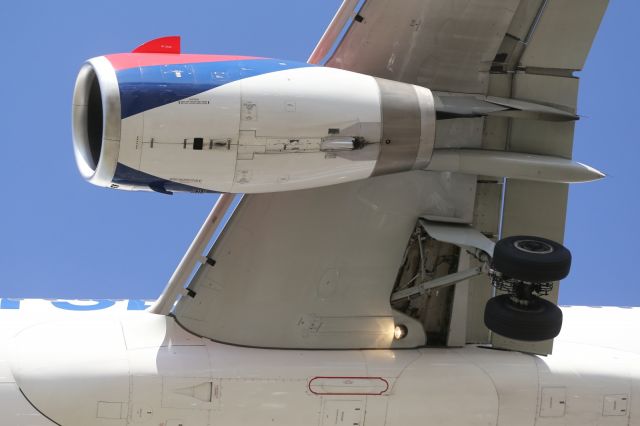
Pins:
x,y
216,123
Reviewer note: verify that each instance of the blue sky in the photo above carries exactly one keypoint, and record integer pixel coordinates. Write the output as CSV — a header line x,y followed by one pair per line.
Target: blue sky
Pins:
x,y
64,238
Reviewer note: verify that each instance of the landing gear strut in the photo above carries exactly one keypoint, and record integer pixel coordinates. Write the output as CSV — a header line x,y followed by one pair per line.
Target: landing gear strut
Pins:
x,y
525,267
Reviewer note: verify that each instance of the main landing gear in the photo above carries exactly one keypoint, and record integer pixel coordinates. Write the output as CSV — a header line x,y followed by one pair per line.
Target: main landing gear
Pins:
x,y
521,268
524,268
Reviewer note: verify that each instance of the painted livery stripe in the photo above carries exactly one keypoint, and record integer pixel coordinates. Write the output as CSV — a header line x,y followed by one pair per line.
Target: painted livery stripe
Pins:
x,y
122,61
144,88
125,175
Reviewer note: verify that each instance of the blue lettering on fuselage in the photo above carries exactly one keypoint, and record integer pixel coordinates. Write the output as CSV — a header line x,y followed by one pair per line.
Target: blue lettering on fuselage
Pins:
x,y
94,304
137,305
10,303
99,304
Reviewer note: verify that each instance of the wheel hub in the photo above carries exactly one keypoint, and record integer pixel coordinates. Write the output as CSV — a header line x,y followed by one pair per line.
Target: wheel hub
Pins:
x,y
533,246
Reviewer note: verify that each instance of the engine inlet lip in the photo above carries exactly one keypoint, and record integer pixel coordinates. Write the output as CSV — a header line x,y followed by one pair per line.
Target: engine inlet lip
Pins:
x,y
96,71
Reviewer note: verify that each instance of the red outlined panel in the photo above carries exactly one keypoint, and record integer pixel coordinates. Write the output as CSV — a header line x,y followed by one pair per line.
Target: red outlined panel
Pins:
x,y
328,385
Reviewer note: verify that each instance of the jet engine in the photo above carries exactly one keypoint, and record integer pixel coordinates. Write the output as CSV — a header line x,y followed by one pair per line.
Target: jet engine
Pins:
x,y
212,123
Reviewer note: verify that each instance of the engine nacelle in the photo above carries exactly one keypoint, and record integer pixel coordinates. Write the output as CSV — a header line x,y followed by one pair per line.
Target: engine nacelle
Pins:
x,y
202,123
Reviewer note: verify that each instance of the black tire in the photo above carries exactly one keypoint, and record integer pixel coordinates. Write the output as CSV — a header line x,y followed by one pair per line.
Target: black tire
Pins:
x,y
532,259
541,320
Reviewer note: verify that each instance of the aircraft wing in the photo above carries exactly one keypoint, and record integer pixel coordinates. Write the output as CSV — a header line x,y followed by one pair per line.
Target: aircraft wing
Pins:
x,y
457,46
315,268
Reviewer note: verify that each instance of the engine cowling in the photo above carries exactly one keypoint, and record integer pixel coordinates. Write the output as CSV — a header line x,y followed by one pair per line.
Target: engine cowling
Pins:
x,y
212,123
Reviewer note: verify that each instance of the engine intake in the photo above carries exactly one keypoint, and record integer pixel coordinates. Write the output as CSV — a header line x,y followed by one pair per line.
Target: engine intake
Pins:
x,y
96,121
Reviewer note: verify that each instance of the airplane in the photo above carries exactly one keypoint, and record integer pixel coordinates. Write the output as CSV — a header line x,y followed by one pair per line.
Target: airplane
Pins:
x,y
394,258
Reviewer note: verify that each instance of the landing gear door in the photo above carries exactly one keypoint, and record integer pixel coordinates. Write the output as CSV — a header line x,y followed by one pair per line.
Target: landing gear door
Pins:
x,y
533,208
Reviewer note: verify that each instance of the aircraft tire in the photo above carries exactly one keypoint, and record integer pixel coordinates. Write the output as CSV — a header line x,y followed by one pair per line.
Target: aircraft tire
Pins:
x,y
532,259
541,320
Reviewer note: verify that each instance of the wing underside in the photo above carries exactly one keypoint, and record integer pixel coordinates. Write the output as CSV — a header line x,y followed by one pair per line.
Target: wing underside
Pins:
x,y
315,268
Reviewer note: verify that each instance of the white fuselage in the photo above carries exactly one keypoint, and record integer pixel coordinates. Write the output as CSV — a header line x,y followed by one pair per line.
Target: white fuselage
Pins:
x,y
112,367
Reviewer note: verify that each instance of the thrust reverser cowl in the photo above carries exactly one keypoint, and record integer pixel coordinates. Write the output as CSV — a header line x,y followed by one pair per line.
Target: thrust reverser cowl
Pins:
x,y
175,122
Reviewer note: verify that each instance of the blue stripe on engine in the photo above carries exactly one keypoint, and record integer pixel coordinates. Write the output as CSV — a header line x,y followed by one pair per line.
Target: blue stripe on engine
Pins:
x,y
125,175
144,88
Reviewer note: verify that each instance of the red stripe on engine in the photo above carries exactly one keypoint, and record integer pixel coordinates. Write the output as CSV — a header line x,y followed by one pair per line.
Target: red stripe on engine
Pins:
x,y
121,61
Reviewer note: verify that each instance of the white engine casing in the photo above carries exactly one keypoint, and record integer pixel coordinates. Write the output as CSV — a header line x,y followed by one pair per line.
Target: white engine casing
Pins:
x,y
291,129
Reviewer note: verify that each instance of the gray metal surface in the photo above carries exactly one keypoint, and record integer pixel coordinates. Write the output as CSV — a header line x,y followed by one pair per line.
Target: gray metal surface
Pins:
x,y
514,165
562,37
439,44
459,234
437,282
536,208
552,38
401,127
453,105
315,268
